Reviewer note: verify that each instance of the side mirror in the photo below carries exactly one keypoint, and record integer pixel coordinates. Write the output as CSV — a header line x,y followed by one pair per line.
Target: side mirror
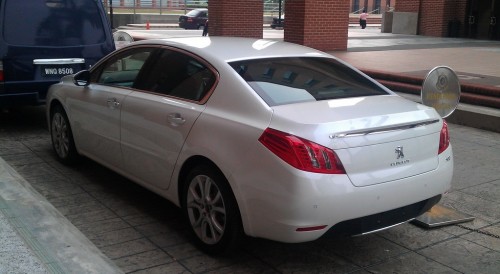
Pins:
x,y
441,90
82,78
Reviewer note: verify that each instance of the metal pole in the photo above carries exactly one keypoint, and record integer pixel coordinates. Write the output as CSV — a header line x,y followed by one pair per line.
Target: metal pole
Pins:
x,y
111,13
279,12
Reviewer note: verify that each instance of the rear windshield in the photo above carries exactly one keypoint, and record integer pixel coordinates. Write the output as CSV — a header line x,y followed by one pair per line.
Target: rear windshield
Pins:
x,y
53,22
281,81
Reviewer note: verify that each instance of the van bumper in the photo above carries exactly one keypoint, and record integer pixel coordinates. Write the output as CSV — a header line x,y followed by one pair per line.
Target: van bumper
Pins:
x,y
24,95
22,99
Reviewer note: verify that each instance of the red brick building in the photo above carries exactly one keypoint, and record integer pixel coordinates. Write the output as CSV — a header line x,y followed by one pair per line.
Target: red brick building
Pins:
x,y
469,18
371,6
323,24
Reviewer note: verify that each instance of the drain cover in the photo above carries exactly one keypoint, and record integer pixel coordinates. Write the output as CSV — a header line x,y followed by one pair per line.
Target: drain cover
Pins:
x,y
440,215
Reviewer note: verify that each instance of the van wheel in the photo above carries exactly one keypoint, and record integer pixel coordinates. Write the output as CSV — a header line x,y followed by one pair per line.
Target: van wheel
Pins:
x,y
211,210
62,137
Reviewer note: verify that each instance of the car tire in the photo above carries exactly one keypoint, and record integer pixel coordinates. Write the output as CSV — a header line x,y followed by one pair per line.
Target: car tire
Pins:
x,y
62,136
211,210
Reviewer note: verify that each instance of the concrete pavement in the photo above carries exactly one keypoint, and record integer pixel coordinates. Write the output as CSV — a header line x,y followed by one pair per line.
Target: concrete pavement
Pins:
x,y
36,238
86,219
142,233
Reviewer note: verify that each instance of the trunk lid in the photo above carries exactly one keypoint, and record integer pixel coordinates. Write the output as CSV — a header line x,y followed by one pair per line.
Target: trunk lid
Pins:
x,y
378,138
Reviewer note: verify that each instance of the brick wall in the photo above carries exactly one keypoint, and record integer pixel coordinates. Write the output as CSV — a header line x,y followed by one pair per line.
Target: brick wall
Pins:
x,y
320,24
435,15
457,11
242,18
431,21
407,5
295,11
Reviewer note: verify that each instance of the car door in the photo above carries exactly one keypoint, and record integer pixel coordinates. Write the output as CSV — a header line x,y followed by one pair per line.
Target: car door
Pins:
x,y
97,112
158,115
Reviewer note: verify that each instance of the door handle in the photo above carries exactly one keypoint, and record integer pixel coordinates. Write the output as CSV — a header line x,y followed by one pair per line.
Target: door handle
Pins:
x,y
113,103
176,119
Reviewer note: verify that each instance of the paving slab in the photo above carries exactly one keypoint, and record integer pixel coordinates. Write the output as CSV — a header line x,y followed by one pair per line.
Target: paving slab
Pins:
x,y
36,238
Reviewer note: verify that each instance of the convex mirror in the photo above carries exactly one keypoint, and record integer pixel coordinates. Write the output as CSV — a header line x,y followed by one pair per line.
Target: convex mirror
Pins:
x,y
441,90
122,39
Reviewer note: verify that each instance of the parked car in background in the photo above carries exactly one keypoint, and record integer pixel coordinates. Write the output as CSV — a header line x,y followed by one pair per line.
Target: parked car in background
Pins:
x,y
277,22
195,19
271,139
42,41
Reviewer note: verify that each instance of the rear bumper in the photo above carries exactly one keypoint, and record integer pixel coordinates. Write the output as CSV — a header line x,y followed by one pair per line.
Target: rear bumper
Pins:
x,y
379,221
24,94
292,202
185,25
23,99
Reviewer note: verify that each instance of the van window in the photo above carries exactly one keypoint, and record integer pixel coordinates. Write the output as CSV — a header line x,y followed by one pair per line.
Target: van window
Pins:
x,y
53,23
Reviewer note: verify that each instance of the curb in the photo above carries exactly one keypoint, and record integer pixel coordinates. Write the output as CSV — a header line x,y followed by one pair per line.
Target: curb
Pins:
x,y
471,110
474,94
52,238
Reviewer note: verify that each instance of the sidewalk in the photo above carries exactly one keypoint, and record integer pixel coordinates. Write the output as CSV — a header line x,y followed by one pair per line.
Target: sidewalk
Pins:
x,y
36,238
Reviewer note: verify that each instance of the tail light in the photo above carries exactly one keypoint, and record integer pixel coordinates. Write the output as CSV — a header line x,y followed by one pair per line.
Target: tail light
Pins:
x,y
444,138
300,153
1,72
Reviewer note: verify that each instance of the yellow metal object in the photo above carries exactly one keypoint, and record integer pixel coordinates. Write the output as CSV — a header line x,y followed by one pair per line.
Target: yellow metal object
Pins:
x,y
440,215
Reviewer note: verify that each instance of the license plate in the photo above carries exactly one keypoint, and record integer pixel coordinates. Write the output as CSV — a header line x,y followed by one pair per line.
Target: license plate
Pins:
x,y
57,70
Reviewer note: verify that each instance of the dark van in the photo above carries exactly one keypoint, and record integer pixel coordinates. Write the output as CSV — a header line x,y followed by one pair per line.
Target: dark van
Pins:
x,y
43,40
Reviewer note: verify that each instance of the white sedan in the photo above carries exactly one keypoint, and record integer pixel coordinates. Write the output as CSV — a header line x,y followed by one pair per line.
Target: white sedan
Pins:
x,y
266,138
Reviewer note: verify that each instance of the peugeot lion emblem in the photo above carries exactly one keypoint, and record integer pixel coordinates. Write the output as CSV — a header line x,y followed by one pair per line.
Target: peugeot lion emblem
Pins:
x,y
399,152
400,157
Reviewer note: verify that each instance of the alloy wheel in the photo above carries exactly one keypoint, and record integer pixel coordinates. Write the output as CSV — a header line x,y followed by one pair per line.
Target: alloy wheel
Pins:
x,y
60,137
206,209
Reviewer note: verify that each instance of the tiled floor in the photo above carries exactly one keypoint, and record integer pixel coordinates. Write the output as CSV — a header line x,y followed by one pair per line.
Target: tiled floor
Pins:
x,y
142,233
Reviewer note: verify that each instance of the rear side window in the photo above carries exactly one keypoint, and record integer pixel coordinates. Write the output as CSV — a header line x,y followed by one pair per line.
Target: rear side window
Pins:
x,y
53,22
179,75
281,81
197,13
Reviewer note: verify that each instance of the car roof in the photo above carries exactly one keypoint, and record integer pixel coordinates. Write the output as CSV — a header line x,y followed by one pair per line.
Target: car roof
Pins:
x,y
229,49
199,9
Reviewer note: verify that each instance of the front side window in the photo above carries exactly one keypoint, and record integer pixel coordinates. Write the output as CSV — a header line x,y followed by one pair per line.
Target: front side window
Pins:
x,y
123,69
53,23
290,80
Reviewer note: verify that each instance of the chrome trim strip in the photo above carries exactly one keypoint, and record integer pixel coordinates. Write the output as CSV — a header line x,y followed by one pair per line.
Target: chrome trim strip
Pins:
x,y
60,61
363,132
384,228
